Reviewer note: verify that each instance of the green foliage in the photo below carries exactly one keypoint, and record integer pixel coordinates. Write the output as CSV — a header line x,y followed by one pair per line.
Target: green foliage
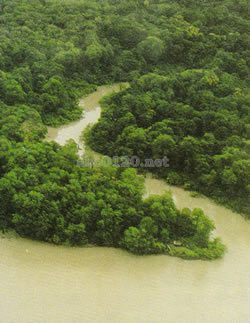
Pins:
x,y
46,47
151,49
21,123
197,118
187,63
76,234
141,240
214,250
45,195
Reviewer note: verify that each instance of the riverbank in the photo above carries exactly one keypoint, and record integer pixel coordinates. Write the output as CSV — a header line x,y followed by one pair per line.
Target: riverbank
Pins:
x,y
91,284
187,247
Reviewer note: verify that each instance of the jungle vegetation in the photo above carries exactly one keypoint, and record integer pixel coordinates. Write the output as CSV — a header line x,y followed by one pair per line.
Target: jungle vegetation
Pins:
x,y
188,71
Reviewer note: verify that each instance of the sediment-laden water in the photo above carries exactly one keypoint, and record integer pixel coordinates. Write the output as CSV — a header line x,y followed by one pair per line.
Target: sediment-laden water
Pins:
x,y
45,283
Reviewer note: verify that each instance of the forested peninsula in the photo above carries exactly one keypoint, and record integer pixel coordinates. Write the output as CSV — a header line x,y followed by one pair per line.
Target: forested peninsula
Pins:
x,y
187,66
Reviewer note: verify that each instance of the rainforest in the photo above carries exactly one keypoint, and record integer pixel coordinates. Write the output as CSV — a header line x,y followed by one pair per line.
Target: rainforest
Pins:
x,y
187,69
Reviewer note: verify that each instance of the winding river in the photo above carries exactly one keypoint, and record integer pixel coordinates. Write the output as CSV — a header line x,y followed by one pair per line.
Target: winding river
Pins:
x,y
45,283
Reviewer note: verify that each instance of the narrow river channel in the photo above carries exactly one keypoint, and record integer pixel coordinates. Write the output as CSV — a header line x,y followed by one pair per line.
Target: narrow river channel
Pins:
x,y
45,283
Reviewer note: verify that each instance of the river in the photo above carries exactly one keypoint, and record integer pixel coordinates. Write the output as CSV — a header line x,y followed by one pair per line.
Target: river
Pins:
x,y
45,283
92,112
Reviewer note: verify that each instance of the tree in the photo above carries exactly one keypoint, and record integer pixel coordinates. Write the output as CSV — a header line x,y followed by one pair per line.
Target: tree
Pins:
x,y
142,241
163,145
162,210
76,234
203,227
11,91
151,49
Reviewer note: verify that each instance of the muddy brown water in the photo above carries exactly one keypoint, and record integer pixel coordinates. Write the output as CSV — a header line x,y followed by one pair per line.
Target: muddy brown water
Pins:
x,y
45,283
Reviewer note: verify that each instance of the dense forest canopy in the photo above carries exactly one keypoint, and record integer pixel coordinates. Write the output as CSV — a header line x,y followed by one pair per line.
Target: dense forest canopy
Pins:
x,y
45,195
187,63
49,50
197,118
